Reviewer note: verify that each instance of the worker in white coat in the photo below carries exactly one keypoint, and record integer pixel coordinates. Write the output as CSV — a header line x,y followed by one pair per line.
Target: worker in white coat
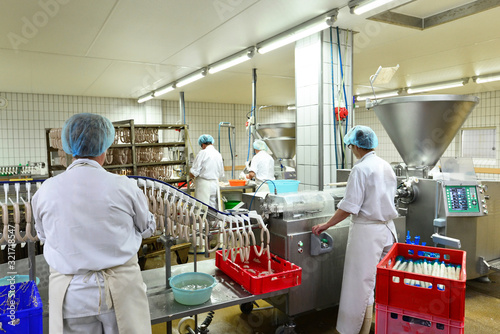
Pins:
x,y
207,170
369,198
92,223
262,166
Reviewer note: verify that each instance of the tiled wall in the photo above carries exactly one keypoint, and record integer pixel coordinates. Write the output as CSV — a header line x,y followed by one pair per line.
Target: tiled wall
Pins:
x,y
204,118
320,80
485,114
24,120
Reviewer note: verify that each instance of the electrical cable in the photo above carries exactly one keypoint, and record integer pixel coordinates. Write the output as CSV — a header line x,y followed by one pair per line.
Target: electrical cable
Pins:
x,y
343,86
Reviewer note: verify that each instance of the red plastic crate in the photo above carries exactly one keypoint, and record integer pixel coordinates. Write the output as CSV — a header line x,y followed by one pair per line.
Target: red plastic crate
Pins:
x,y
285,274
447,302
391,320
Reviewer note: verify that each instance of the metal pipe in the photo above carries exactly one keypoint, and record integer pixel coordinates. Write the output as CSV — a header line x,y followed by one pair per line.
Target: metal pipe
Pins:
x,y
182,105
254,103
336,184
31,259
321,160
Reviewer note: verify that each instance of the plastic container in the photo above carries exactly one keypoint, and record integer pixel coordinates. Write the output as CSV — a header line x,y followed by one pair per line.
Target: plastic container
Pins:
x,y
285,274
27,317
283,186
230,204
237,183
395,320
183,286
446,297
18,279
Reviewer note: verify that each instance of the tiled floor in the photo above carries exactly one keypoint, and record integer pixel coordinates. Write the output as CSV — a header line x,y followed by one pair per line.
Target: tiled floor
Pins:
x,y
482,315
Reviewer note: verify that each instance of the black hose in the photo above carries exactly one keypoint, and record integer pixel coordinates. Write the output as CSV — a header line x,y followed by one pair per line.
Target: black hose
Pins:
x,y
208,320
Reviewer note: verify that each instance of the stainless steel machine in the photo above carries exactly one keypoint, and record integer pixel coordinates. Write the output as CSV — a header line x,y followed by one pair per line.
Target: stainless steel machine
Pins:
x,y
280,138
291,217
447,206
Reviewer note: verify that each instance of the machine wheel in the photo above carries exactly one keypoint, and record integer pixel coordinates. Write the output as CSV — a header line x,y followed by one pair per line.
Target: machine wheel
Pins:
x,y
184,324
246,308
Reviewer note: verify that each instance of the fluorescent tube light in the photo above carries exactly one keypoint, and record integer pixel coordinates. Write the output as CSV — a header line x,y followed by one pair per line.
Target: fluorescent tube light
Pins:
x,y
164,90
487,78
301,31
437,86
191,78
378,95
231,61
145,97
360,7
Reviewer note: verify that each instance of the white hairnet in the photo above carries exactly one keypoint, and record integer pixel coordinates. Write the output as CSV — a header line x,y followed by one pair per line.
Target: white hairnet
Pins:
x,y
260,145
361,136
87,135
205,139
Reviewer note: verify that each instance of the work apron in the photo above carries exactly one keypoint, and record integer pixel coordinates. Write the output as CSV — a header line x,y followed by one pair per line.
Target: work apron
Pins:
x,y
366,244
124,290
208,191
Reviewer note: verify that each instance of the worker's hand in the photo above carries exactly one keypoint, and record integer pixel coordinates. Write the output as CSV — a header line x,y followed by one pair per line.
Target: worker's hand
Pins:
x,y
318,229
243,176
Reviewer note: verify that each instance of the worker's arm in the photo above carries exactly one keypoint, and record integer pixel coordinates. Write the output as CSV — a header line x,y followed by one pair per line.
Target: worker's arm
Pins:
x,y
250,175
339,216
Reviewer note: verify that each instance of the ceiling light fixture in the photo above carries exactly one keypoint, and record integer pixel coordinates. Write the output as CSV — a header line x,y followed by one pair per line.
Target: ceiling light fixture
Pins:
x,y
437,86
191,78
303,30
486,78
231,61
378,95
164,90
359,7
145,97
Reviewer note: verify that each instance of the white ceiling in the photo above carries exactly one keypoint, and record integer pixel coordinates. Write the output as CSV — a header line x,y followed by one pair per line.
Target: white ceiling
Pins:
x,y
126,48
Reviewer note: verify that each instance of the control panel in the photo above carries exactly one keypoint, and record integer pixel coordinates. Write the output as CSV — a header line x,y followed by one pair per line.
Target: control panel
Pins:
x,y
463,200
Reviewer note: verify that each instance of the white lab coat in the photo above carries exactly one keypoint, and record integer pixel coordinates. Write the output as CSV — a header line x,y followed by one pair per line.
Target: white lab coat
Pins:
x,y
369,197
263,166
90,220
208,168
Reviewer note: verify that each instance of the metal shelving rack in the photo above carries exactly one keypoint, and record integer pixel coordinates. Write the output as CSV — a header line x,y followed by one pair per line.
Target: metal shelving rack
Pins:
x,y
133,145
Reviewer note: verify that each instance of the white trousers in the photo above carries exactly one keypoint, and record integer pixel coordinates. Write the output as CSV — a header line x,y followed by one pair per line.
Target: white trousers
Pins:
x,y
98,324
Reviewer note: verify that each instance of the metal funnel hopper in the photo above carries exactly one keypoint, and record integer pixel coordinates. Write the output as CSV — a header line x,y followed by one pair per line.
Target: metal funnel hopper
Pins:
x,y
422,127
280,137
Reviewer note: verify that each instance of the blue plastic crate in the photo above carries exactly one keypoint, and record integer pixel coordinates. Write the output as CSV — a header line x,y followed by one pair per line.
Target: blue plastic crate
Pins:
x,y
21,308
283,186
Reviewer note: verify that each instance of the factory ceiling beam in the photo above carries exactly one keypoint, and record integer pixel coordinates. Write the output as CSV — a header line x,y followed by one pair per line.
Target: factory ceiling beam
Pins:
x,y
452,14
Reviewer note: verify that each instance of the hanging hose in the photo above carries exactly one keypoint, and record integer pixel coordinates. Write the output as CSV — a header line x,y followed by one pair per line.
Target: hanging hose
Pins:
x,y
230,146
343,86
333,102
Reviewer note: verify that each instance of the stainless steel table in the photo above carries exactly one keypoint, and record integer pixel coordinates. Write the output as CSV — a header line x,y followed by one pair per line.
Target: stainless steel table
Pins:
x,y
163,307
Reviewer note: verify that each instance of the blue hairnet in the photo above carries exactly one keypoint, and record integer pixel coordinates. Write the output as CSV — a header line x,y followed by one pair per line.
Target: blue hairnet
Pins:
x,y
361,136
205,139
260,145
87,135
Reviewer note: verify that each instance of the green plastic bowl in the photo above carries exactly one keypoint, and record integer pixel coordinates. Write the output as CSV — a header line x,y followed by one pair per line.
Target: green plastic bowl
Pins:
x,y
192,288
